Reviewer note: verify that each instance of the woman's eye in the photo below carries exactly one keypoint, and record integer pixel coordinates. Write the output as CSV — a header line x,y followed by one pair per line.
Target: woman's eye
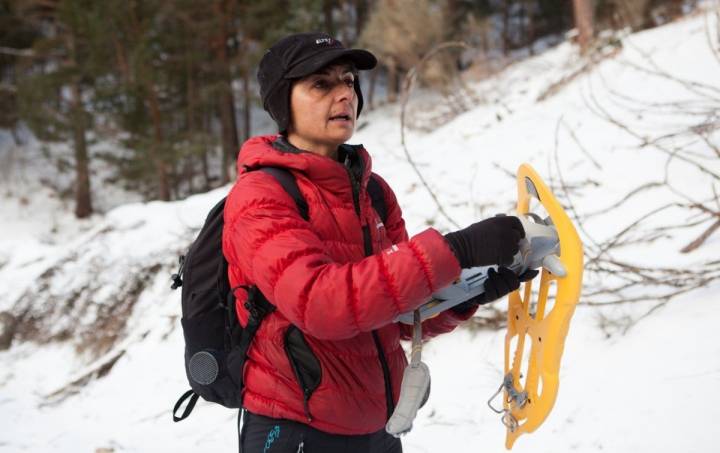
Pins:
x,y
321,84
350,82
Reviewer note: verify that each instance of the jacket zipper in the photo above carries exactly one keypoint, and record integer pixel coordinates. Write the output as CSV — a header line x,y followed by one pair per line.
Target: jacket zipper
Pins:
x,y
367,242
386,375
303,386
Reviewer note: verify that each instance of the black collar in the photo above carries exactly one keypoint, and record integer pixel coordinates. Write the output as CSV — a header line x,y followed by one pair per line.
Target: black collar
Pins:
x,y
347,155
345,151
282,144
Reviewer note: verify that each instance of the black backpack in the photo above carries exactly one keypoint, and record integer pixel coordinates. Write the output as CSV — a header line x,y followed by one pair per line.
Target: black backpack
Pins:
x,y
215,343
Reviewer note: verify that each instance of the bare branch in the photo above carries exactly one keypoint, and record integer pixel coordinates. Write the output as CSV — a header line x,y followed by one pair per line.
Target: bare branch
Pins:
x,y
701,239
645,141
594,57
580,145
408,85
693,86
710,144
564,187
638,190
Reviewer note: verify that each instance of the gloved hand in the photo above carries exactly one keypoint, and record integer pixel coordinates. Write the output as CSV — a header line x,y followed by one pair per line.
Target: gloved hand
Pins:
x,y
498,284
492,241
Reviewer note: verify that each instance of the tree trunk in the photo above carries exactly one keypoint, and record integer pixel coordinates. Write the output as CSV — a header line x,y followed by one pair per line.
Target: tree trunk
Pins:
x,y
361,15
226,99
583,13
327,7
247,105
189,174
392,88
191,120
487,31
83,200
506,28
229,130
206,169
150,100
206,119
83,197
453,19
530,29
174,180
371,90
160,166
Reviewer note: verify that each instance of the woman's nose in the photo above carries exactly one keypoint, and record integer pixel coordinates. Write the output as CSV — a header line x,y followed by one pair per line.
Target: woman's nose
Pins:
x,y
345,92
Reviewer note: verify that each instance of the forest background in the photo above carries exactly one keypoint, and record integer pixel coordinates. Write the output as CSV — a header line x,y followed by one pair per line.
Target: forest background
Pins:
x,y
172,83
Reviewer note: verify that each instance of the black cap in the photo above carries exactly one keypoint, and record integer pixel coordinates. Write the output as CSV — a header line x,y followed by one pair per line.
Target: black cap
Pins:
x,y
297,56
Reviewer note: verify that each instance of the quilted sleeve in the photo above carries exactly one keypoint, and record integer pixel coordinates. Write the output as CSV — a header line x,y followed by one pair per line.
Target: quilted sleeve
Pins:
x,y
395,227
278,250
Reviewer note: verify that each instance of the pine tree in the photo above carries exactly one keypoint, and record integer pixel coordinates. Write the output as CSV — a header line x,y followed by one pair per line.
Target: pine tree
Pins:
x,y
145,98
52,92
16,40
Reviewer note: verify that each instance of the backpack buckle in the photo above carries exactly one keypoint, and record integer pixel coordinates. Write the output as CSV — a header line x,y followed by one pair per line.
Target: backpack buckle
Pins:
x,y
177,277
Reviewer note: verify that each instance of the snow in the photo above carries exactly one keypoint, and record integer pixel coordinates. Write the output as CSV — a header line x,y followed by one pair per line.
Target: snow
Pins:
x,y
647,389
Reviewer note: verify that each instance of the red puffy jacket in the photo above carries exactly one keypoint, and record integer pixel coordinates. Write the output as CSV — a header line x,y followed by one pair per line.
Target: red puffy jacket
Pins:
x,y
330,354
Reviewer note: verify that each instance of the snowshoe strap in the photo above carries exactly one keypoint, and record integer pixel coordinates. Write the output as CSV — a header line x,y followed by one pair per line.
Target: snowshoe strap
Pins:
x,y
415,387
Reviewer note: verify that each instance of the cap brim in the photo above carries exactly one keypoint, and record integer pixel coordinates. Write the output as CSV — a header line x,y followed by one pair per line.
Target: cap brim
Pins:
x,y
362,59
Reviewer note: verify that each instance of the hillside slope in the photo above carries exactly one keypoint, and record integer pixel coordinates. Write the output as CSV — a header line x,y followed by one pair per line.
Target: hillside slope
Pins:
x,y
627,384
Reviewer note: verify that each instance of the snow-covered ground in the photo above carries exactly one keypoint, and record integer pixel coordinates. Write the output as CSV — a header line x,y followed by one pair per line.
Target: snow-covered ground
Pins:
x,y
649,389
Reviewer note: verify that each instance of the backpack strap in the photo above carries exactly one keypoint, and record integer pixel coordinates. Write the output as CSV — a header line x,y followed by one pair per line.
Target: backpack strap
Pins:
x,y
377,197
287,181
258,308
188,409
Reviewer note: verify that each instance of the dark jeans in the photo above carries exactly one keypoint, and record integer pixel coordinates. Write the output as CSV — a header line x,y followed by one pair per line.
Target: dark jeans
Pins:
x,y
269,435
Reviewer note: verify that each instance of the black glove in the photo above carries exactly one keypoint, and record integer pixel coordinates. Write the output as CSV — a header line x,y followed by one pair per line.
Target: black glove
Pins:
x,y
498,284
492,241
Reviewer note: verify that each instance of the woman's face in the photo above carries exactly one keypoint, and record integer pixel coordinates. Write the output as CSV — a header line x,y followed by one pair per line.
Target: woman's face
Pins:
x,y
323,107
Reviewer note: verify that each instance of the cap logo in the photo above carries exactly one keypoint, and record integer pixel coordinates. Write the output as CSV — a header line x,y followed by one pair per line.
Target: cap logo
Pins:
x,y
327,41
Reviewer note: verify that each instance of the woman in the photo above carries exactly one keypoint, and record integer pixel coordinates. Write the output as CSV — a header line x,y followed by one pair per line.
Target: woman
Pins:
x,y
323,373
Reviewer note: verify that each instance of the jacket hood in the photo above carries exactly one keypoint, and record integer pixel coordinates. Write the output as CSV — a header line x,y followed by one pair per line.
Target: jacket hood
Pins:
x,y
275,151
